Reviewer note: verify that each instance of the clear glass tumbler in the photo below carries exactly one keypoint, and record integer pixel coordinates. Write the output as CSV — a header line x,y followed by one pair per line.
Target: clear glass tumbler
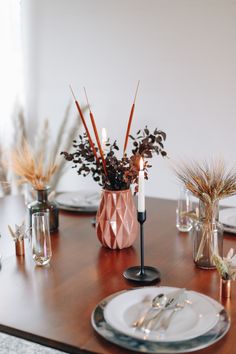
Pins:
x,y
40,238
183,222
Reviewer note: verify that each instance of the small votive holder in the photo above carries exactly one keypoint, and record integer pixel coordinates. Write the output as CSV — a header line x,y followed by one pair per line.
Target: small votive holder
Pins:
x,y
20,247
225,288
40,238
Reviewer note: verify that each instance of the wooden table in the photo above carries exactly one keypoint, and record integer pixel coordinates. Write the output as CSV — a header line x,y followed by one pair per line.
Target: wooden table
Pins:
x,y
53,305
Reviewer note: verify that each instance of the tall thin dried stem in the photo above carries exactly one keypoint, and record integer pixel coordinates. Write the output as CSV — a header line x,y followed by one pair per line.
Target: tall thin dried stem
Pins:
x,y
68,143
43,144
62,128
41,140
5,184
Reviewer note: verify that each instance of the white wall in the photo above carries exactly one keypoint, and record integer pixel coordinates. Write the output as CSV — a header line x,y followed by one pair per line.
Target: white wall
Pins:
x,y
183,51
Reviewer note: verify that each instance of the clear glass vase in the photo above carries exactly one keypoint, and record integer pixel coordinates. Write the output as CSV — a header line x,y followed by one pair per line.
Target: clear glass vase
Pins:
x,y
207,236
184,206
42,204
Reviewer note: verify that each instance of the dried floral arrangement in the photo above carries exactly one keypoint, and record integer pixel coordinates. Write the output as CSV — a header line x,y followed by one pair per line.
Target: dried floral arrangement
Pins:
x,y
19,233
31,168
121,172
226,266
104,164
210,182
41,145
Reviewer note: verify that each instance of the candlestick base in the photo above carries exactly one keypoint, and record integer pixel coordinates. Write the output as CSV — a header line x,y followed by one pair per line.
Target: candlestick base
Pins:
x,y
146,275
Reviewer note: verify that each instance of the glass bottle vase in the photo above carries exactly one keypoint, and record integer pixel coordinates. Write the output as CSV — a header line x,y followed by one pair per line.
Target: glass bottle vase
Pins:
x,y
42,204
207,236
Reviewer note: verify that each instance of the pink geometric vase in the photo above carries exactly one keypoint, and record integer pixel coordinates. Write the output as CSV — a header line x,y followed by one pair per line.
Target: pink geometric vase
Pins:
x,y
116,220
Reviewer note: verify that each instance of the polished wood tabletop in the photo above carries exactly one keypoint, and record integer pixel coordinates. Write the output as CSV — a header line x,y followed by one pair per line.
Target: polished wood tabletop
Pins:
x,y
53,305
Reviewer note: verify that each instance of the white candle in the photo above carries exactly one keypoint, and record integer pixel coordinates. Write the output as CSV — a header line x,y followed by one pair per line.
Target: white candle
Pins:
x,y
141,191
104,139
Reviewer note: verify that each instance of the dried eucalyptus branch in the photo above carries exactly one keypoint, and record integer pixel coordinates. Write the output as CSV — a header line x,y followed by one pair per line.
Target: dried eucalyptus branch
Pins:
x,y
121,172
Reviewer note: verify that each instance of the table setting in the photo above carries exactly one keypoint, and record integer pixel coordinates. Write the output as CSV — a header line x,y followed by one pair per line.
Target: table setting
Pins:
x,y
201,322
205,321
143,298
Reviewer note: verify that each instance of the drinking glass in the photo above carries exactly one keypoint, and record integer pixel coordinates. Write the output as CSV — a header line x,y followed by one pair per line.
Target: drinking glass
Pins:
x,y
40,238
183,222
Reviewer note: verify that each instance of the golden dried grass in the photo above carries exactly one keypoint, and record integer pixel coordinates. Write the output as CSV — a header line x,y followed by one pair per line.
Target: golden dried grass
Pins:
x,y
209,181
30,168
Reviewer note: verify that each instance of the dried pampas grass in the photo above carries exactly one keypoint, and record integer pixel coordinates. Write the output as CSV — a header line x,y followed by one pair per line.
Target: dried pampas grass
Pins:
x,y
30,168
42,146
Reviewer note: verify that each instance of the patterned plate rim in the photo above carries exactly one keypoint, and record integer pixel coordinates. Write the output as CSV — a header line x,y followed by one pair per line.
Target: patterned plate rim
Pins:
x,y
114,336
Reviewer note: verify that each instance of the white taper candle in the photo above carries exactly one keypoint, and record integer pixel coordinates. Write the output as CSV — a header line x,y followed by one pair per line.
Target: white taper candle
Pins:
x,y
141,190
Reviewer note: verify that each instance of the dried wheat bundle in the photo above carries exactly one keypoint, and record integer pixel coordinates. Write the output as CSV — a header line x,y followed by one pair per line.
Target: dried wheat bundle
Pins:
x,y
43,142
209,181
30,168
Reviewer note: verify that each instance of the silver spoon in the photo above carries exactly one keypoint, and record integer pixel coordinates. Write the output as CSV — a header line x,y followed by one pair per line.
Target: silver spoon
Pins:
x,y
158,303
148,325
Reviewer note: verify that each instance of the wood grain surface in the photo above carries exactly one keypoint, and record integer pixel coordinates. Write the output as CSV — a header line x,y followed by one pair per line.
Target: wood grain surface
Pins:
x,y
53,305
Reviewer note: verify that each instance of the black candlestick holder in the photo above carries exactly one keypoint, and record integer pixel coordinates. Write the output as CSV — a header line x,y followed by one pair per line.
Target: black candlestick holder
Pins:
x,y
142,274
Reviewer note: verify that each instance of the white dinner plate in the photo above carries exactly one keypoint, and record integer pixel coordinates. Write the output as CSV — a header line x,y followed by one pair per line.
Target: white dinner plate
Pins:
x,y
190,322
83,201
230,230
228,218
103,328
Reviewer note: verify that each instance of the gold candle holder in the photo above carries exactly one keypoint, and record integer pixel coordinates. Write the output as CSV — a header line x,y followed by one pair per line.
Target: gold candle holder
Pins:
x,y
20,247
225,288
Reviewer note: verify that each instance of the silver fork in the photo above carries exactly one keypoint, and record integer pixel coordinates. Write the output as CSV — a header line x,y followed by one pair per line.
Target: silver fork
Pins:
x,y
172,304
158,302
165,322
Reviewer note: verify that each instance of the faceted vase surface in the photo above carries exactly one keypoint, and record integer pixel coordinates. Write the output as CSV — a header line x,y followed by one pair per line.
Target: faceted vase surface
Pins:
x,y
116,220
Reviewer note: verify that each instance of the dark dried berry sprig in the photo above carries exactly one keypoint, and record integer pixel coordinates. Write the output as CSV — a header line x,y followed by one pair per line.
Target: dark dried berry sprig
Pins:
x,y
146,143
121,172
